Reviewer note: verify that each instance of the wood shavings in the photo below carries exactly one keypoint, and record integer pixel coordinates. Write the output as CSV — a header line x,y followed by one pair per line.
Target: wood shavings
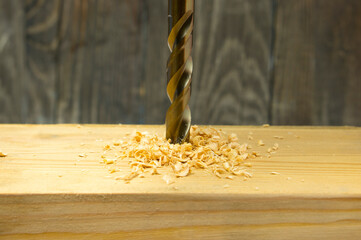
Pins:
x,y
108,161
168,179
233,138
260,143
128,177
2,154
273,149
255,154
82,155
154,171
209,149
113,170
278,137
250,137
275,173
117,143
183,171
265,125
275,146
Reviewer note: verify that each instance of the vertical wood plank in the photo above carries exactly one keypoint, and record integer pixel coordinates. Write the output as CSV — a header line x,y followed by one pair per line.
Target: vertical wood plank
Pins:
x,y
12,58
317,68
231,62
104,62
100,62
41,37
156,55
229,106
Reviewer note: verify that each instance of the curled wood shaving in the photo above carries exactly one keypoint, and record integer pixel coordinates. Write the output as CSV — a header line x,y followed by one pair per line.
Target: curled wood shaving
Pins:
x,y
275,147
108,161
2,154
209,149
168,179
260,143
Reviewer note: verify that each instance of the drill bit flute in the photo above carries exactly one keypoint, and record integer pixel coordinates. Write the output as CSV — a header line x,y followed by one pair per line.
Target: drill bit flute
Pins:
x,y
179,69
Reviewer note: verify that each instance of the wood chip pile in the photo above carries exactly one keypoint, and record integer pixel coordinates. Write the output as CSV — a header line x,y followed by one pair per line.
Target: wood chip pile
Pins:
x,y
209,149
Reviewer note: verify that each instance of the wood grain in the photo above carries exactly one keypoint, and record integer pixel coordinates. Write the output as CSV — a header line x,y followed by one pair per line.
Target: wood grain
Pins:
x,y
47,191
154,87
12,74
100,62
231,62
88,61
41,44
317,74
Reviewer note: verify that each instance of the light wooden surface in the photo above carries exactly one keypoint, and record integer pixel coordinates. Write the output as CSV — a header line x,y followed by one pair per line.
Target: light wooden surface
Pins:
x,y
48,192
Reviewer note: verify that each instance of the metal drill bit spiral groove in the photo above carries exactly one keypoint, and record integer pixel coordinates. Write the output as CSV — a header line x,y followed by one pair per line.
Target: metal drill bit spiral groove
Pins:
x,y
179,70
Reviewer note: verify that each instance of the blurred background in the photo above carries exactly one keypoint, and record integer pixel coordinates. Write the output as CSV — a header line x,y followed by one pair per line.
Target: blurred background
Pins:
x,y
283,62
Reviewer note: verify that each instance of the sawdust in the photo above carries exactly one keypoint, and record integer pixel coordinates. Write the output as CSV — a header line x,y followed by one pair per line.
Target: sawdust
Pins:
x,y
209,149
2,154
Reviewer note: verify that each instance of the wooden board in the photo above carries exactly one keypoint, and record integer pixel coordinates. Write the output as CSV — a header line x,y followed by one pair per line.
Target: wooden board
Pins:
x,y
48,192
12,67
232,54
89,61
317,76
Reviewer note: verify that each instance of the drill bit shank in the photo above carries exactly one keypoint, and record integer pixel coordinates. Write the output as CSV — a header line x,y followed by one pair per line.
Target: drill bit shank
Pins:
x,y
179,69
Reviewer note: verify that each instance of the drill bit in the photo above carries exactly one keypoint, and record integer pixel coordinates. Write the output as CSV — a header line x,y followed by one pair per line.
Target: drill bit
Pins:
x,y
179,69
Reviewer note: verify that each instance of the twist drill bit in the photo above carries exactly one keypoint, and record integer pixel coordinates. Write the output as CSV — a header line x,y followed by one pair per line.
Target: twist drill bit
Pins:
x,y
179,69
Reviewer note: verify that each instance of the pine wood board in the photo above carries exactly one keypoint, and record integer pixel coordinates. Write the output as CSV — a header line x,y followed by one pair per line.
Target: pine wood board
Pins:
x,y
47,190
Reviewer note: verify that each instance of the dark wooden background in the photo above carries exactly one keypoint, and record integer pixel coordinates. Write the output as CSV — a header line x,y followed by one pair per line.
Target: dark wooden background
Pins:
x,y
256,61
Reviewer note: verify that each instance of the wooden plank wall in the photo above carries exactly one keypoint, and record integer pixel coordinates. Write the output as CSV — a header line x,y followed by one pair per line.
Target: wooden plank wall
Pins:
x,y
103,61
